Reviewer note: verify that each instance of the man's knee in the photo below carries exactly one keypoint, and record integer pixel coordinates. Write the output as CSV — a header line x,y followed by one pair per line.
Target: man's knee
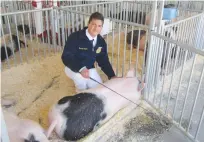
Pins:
x,y
80,85
68,72
79,81
94,74
97,79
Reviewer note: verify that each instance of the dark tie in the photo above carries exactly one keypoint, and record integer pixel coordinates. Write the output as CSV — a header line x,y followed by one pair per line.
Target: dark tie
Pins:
x,y
92,44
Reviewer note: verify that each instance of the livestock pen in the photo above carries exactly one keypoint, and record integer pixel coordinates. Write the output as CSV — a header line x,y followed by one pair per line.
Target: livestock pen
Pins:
x,y
34,76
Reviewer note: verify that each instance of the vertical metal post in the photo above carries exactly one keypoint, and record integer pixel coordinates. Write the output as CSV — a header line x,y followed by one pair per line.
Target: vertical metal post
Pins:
x,y
63,28
160,14
151,28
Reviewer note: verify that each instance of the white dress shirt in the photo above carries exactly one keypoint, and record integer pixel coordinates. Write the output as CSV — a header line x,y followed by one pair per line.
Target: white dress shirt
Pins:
x,y
91,38
94,43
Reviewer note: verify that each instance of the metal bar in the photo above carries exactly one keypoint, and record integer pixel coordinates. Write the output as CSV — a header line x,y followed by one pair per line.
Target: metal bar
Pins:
x,y
182,45
134,12
43,38
113,39
53,31
137,13
48,30
199,124
138,50
44,29
28,11
190,10
180,79
9,26
165,74
155,55
144,55
160,13
124,51
18,39
169,94
118,56
195,100
69,22
82,19
131,12
148,68
63,29
114,20
31,39
153,15
142,14
22,20
73,22
121,11
184,105
112,8
7,59
58,32
158,58
186,19
103,11
131,47
66,26
77,20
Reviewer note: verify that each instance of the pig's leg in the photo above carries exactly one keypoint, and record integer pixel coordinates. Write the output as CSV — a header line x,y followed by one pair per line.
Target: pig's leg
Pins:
x,y
51,128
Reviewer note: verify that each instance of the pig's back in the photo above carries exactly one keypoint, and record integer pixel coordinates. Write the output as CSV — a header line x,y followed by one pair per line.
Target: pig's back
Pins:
x,y
84,112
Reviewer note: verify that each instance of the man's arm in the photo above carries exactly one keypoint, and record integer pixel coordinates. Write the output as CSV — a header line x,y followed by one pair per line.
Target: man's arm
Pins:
x,y
103,61
69,54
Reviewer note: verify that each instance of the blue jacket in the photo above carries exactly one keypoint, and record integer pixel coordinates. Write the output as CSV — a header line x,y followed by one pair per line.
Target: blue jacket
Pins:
x,y
79,52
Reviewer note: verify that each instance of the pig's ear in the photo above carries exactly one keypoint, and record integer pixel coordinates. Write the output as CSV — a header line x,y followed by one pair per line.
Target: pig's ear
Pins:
x,y
131,73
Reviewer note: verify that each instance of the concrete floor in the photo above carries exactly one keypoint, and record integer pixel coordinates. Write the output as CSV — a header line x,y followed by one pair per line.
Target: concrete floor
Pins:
x,y
163,90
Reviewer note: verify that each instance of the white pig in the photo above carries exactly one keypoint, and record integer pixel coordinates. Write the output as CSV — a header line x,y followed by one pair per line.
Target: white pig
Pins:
x,y
22,130
74,117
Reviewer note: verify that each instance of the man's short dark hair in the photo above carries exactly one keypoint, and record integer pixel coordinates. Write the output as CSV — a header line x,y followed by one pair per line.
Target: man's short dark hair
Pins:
x,y
96,15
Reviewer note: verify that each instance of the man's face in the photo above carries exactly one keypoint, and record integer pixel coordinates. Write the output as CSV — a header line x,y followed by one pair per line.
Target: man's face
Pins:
x,y
94,27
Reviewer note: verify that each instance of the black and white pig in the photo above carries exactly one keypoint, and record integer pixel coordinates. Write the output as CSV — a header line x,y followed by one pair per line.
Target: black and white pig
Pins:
x,y
74,117
22,130
10,46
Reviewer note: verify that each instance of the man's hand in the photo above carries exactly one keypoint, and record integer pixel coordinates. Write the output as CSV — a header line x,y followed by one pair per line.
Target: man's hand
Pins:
x,y
85,73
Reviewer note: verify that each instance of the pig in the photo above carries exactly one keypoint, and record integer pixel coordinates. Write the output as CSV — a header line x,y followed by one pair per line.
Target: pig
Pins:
x,y
142,42
26,28
22,130
10,46
74,117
